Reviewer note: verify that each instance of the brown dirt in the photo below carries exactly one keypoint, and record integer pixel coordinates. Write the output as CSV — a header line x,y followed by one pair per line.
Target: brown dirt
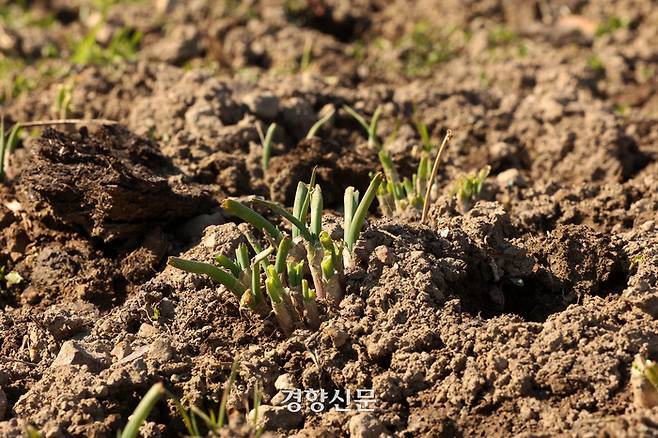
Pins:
x,y
520,317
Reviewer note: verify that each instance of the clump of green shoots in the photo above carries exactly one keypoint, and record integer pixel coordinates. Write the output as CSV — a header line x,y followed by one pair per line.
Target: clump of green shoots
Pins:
x,y
467,188
308,248
397,195
7,144
370,127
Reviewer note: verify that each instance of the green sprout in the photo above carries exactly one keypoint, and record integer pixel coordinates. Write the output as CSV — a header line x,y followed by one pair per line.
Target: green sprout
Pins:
x,y
610,25
467,188
122,46
317,125
370,127
424,48
213,421
143,410
64,100
32,432
258,397
11,278
289,297
645,373
267,143
595,63
7,144
307,54
397,195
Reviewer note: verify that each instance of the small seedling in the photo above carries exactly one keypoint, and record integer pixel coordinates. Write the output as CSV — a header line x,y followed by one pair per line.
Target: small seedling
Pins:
x,y
370,127
467,188
307,54
64,100
11,278
644,376
143,410
398,195
290,298
213,421
317,125
7,144
122,46
266,141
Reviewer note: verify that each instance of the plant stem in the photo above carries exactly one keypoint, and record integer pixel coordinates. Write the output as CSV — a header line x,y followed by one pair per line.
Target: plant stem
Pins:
x,y
317,125
361,211
435,169
143,410
212,271
227,392
247,214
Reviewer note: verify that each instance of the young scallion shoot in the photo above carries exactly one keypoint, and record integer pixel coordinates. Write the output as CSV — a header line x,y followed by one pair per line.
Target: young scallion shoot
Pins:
x,y
644,380
397,195
7,144
266,142
370,127
213,421
467,188
327,258
317,125
143,410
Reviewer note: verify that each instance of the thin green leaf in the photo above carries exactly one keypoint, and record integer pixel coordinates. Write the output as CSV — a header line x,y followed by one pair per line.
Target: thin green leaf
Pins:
x,y
361,211
300,197
317,125
282,254
227,392
267,146
358,117
278,209
242,257
212,271
227,263
247,214
350,201
316,212
143,410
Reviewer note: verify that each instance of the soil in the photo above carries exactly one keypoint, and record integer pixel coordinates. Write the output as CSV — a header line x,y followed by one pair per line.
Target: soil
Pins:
x,y
519,317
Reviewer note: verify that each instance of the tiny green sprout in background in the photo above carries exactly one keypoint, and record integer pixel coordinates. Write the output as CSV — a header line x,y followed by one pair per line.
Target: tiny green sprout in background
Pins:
x,y
32,432
317,125
635,262
425,47
369,127
307,54
122,47
501,36
7,144
290,298
64,100
258,397
467,188
143,410
213,421
644,377
396,195
610,25
266,142
595,63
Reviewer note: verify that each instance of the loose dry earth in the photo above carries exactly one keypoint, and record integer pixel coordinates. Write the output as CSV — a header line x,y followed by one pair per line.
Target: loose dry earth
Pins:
x,y
520,317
